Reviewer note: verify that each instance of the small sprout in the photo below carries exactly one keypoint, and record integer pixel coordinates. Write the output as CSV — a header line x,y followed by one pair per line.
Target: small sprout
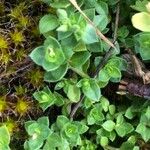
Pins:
x,y
20,90
34,31
17,37
22,106
11,125
18,10
5,58
3,104
24,21
20,54
44,97
3,42
36,77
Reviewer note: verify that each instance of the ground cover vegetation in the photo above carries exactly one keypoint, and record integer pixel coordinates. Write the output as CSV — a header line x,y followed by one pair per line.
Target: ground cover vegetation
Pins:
x,y
75,75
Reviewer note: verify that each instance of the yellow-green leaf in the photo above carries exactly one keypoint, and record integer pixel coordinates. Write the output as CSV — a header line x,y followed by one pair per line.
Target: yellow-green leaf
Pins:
x,y
141,21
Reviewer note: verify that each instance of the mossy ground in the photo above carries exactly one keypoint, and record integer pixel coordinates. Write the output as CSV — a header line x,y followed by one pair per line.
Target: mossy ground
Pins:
x,y
19,77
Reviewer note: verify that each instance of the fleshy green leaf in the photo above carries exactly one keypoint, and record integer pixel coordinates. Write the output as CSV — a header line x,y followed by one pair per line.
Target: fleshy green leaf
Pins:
x,y
108,125
54,56
56,75
95,116
38,131
89,35
48,23
142,44
73,93
103,76
79,59
123,129
37,55
4,138
105,103
45,98
91,89
104,141
144,131
61,121
71,130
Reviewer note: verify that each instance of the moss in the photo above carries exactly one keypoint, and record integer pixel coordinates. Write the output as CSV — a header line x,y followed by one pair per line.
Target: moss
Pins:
x,y
18,76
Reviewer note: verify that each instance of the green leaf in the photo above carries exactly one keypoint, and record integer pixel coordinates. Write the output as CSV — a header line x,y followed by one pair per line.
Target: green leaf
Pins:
x,y
61,121
37,55
38,131
103,76
102,8
73,93
123,32
53,141
104,141
71,130
95,116
56,75
120,130
123,129
60,4
48,23
126,145
105,103
4,138
80,47
108,125
54,56
79,59
50,56
112,109
33,144
87,103
59,101
103,133
91,89
113,72
95,47
140,5
143,131
101,21
62,15
45,98
147,113
142,43
44,121
136,148
120,119
82,128
141,21
129,114
89,35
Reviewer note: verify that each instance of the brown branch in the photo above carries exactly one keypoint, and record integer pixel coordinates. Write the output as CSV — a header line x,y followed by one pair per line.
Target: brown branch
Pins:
x,y
139,68
75,108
